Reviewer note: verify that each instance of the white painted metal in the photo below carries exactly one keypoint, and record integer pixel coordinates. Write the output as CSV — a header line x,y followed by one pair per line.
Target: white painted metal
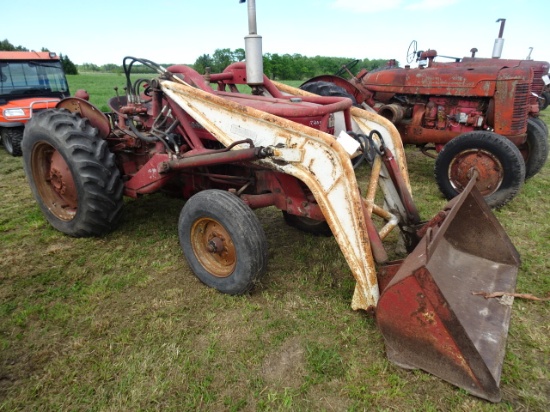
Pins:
x,y
312,156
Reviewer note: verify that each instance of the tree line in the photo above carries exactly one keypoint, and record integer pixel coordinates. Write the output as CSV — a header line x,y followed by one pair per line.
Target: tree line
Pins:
x,y
276,66
286,66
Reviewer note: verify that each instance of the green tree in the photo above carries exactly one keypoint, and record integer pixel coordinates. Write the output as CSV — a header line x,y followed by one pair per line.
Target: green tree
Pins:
x,y
5,45
239,55
68,66
111,68
222,58
89,67
202,63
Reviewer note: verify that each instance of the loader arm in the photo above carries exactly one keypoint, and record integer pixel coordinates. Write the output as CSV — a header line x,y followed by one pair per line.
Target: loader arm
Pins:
x,y
313,157
364,122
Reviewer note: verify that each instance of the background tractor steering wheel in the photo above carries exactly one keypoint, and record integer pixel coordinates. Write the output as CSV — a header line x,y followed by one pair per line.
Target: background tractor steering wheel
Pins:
x,y
349,65
411,51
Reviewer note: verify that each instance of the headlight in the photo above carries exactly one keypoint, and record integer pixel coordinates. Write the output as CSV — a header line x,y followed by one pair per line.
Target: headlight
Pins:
x,y
14,113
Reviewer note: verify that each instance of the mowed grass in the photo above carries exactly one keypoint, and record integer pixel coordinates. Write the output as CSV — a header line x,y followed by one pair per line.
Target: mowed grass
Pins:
x,y
119,323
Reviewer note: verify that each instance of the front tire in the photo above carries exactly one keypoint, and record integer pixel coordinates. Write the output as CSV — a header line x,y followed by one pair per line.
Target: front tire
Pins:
x,y
72,174
544,100
498,161
11,139
540,123
223,241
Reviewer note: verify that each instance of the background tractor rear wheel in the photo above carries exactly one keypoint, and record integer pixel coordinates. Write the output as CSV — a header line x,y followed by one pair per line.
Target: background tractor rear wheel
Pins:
x,y
327,89
305,224
498,161
535,150
11,139
223,241
72,174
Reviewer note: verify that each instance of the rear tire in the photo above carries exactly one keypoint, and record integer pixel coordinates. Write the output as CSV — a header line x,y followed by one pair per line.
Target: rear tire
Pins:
x,y
11,139
327,89
535,150
499,162
223,241
72,174
305,224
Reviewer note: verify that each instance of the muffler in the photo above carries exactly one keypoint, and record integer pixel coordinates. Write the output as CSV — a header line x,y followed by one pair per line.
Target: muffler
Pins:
x,y
428,313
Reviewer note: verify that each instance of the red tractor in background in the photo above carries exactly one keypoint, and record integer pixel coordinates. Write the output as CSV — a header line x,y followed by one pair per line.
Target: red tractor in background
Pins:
x,y
29,82
476,113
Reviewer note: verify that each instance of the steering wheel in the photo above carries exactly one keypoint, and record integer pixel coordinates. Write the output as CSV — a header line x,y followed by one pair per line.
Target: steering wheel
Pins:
x,y
411,51
349,65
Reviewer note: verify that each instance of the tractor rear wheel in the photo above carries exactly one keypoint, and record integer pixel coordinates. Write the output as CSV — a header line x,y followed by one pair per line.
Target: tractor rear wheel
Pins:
x,y
72,174
305,224
500,167
535,149
223,241
322,88
11,139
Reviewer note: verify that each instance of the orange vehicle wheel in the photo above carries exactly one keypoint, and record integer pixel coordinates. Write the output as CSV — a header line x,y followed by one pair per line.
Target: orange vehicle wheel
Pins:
x,y
223,241
72,174
498,162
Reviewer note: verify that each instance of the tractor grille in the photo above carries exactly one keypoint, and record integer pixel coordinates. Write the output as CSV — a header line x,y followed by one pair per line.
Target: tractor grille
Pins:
x,y
521,107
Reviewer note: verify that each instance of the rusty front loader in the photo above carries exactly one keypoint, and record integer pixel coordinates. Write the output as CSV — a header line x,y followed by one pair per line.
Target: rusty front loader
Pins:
x,y
228,153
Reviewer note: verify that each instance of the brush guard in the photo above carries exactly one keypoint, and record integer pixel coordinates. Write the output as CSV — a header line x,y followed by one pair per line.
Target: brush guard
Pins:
x,y
428,313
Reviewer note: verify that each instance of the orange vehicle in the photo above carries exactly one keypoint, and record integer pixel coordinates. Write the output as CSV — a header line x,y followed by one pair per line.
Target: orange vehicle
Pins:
x,y
29,82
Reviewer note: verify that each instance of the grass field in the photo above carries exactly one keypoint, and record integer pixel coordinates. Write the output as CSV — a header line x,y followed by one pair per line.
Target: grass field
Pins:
x,y
119,323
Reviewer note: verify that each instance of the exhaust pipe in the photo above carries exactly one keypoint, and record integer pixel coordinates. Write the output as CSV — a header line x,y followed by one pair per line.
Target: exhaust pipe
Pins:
x,y
393,112
499,42
253,48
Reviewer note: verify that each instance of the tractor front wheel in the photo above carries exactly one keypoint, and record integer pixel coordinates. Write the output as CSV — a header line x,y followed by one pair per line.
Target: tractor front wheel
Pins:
x,y
11,139
544,100
540,123
223,241
500,167
72,174
535,149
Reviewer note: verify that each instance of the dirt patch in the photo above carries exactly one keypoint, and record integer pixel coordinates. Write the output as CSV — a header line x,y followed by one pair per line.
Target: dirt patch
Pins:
x,y
286,366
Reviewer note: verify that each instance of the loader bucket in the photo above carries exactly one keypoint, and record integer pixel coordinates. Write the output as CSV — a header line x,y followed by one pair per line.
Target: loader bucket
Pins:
x,y
429,314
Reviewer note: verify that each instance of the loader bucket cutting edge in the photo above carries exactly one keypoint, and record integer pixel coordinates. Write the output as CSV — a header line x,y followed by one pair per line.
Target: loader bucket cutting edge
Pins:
x,y
427,313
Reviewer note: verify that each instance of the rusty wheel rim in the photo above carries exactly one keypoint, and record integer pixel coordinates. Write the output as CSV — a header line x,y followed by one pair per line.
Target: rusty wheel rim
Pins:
x,y
54,181
213,247
489,168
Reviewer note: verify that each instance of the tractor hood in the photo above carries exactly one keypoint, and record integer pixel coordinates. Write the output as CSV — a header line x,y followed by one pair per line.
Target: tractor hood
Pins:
x,y
450,81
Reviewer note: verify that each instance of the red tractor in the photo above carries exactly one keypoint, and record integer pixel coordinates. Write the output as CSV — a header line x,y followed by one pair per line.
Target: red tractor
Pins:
x,y
475,113
227,152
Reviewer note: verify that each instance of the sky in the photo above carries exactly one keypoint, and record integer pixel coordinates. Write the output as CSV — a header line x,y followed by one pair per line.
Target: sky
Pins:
x,y
179,31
